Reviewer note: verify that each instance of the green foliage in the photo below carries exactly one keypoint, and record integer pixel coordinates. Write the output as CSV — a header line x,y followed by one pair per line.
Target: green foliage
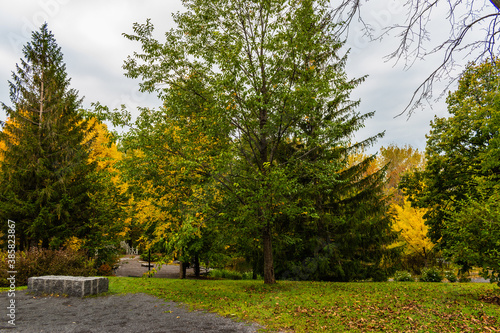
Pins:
x,y
331,263
154,256
172,197
450,276
474,235
333,307
39,262
460,183
48,185
265,89
108,256
403,276
431,274
415,262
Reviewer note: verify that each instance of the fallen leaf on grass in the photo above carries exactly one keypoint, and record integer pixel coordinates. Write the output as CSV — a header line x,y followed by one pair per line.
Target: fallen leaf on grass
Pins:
x,y
490,299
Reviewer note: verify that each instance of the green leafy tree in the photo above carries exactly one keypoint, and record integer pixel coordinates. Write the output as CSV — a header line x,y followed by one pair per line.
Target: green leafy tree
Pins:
x,y
268,85
473,235
45,169
171,196
462,172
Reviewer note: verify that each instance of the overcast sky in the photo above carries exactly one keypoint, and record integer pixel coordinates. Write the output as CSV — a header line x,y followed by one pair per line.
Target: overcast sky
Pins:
x,y
90,36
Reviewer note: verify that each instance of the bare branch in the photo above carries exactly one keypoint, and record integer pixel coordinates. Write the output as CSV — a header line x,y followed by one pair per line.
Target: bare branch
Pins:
x,y
415,35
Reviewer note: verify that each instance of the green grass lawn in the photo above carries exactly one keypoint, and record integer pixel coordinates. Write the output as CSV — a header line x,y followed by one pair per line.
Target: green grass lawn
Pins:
x,y
334,307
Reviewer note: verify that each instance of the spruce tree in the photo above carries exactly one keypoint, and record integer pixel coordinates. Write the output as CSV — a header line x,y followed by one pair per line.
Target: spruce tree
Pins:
x,y
44,182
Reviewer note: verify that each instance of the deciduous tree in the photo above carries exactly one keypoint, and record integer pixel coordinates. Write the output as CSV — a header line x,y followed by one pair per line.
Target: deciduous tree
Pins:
x,y
273,82
462,165
171,197
409,222
399,160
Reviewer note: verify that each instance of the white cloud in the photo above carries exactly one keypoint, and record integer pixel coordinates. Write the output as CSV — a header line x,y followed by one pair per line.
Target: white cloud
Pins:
x,y
90,36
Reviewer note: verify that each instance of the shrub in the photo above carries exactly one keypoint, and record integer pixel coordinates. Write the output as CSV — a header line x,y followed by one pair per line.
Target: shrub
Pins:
x,y
464,278
403,276
39,262
107,255
249,276
105,270
450,276
431,275
378,275
225,274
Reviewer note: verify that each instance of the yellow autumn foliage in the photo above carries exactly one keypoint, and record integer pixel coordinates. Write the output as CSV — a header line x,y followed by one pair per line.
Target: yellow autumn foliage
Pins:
x,y
102,151
73,243
162,207
409,222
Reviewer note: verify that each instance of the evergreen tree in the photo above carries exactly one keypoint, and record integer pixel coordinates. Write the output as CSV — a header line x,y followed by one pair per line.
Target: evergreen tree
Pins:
x,y
45,164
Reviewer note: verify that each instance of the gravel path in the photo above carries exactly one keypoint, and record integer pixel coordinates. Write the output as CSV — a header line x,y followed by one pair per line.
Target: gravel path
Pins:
x,y
133,266
131,313
116,313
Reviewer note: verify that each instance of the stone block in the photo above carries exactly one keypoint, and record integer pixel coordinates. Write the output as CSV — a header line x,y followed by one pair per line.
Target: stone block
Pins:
x,y
78,286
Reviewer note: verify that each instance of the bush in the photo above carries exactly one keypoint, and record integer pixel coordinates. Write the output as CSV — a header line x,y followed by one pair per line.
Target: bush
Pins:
x,y
464,278
450,276
39,262
431,275
249,276
225,274
107,256
105,270
378,275
403,276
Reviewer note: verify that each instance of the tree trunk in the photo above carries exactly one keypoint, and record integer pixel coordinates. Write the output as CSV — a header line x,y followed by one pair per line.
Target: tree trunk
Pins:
x,y
182,270
196,266
40,114
268,257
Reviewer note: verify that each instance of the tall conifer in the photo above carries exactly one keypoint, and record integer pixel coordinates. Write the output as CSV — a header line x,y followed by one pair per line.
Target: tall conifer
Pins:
x,y
44,165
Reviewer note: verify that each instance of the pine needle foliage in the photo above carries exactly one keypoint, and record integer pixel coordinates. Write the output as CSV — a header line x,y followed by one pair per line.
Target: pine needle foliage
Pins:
x,y
44,181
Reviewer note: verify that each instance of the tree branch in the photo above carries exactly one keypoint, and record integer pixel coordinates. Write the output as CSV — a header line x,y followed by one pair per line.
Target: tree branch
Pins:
x,y
414,35
496,3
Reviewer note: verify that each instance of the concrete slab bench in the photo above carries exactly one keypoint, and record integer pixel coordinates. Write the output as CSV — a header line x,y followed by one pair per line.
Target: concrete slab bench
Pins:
x,y
78,286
